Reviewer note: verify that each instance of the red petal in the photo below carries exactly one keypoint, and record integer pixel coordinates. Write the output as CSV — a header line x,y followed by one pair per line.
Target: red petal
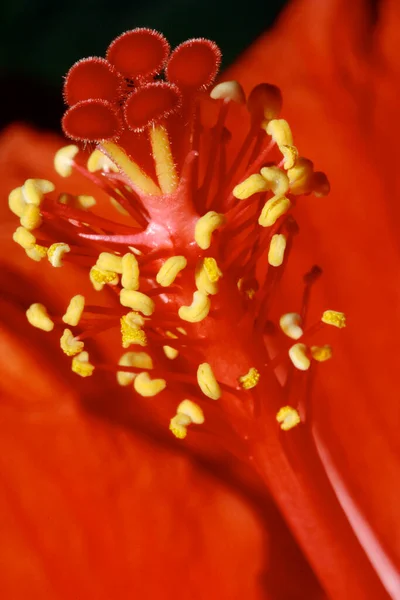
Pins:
x,y
139,53
91,78
91,120
150,103
194,64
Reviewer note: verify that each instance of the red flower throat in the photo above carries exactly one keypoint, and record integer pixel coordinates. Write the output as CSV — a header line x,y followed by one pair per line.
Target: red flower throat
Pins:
x,y
193,266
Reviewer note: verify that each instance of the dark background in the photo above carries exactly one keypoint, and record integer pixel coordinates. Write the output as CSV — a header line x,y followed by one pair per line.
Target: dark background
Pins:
x,y
41,39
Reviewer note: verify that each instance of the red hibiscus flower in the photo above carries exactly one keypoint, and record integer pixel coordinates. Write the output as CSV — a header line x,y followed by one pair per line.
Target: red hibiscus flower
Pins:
x,y
200,311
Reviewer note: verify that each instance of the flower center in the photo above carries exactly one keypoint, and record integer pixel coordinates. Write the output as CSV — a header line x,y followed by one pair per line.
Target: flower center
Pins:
x,y
207,230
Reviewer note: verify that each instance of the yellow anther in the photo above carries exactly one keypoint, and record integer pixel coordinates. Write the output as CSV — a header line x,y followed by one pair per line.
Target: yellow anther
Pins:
x,y
298,354
301,176
31,217
178,426
37,316
290,155
37,253
321,353
130,272
34,190
134,319
276,179
276,252
207,275
83,202
211,268
69,344
207,382
64,159
288,418
74,311
264,103
188,412
139,360
203,282
250,380
109,262
56,253
147,387
228,90
280,132
132,336
24,238
273,209
100,162
290,323
192,410
170,352
137,301
198,310
131,331
81,365
100,278
335,318
250,186
16,202
170,269
205,227
320,184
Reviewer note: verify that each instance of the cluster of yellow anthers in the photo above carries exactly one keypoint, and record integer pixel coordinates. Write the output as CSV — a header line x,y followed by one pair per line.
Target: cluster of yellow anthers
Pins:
x,y
299,353
122,271
297,177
